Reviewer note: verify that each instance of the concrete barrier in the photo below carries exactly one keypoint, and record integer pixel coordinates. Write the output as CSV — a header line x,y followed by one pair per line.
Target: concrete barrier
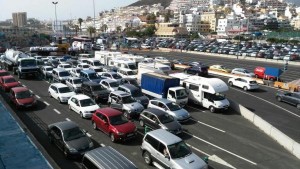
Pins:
x,y
288,143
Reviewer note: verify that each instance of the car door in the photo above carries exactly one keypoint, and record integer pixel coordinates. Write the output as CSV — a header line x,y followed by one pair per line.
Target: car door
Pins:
x,y
102,123
57,137
162,106
75,105
162,155
155,124
288,97
237,82
12,96
116,102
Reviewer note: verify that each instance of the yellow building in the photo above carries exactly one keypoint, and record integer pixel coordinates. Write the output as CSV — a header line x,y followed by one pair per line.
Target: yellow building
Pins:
x,y
169,30
209,21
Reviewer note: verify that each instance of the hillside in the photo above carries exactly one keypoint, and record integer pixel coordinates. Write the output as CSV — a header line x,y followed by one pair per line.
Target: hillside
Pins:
x,y
164,3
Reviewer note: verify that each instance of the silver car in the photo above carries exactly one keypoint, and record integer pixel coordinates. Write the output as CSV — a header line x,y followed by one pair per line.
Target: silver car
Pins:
x,y
289,97
173,109
243,72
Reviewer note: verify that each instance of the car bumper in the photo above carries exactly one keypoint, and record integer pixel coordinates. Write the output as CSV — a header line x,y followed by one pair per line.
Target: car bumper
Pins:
x,y
183,120
253,87
126,136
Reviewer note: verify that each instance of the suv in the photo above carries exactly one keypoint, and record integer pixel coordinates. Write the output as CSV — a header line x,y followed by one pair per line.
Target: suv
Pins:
x,y
89,75
158,119
60,75
95,91
245,83
200,70
166,150
124,102
135,92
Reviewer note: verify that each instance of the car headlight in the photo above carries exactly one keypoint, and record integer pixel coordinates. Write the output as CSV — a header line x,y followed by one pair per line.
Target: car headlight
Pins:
x,y
91,145
120,133
72,150
85,112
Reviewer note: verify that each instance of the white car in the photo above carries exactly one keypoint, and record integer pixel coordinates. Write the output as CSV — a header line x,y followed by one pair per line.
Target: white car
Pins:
x,y
110,84
173,109
61,92
47,71
83,105
242,71
245,83
111,75
83,66
65,66
127,73
97,69
74,83
75,72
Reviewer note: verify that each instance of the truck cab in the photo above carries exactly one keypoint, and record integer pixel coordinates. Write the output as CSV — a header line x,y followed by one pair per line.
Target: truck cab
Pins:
x,y
178,95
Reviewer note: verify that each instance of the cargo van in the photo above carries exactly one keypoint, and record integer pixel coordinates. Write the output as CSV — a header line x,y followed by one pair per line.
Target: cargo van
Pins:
x,y
121,63
260,73
105,158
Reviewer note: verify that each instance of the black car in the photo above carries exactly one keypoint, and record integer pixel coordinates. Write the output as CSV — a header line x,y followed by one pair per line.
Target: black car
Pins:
x,y
158,119
200,70
95,91
131,81
69,138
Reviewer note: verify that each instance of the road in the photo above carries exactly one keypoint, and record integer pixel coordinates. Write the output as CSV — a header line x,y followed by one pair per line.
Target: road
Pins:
x,y
226,135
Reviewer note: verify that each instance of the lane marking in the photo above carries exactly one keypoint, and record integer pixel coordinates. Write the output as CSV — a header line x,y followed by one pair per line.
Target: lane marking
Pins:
x,y
68,119
198,150
24,85
268,102
221,148
46,81
31,91
102,145
88,134
46,103
140,133
37,96
209,126
57,111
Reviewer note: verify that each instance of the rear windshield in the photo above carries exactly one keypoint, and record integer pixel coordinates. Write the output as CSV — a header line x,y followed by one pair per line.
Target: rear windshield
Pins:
x,y
9,80
62,74
253,82
23,94
64,90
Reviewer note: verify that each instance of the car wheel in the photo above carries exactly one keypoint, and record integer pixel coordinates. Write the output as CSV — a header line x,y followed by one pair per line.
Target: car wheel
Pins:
x,y
59,100
49,94
230,84
279,99
81,114
245,88
112,137
298,106
147,158
70,108
212,109
94,125
142,123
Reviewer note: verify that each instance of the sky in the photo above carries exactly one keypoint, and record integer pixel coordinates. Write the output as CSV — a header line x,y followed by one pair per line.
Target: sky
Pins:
x,y
66,9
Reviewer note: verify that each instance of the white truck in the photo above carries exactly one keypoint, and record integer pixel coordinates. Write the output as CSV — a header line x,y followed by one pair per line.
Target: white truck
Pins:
x,y
106,56
207,92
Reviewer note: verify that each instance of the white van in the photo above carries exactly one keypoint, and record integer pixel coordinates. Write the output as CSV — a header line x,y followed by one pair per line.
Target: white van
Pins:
x,y
207,92
105,56
120,63
127,73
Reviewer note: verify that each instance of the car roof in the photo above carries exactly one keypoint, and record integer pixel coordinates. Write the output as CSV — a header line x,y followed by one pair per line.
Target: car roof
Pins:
x,y
74,78
19,89
120,93
90,83
60,69
59,85
163,100
109,111
109,80
1,70
7,77
129,86
155,111
47,66
88,71
64,125
125,69
164,136
81,96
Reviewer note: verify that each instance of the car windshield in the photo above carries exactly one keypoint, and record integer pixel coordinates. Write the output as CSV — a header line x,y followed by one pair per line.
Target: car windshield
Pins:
x,y
179,150
128,99
132,67
165,118
131,73
4,73
9,80
72,134
246,71
253,82
67,66
23,94
136,93
87,102
28,63
64,90
181,94
114,84
63,74
97,70
93,76
116,76
77,81
173,106
49,69
97,64
217,97
85,66
222,67
118,120
97,88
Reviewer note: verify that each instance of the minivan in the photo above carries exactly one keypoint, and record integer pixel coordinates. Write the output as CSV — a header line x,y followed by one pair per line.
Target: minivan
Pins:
x,y
105,158
166,150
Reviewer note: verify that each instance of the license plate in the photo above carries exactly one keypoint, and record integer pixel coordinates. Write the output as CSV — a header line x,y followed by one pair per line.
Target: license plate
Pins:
x,y
129,135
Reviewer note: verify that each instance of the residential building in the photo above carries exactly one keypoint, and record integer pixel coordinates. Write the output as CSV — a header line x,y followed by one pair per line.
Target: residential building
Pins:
x,y
232,25
169,30
19,19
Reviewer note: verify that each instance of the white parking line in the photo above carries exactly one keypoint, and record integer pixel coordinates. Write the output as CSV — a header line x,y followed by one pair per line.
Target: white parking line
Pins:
x,y
68,119
102,145
268,102
57,111
37,96
31,91
88,134
221,148
209,125
198,150
46,103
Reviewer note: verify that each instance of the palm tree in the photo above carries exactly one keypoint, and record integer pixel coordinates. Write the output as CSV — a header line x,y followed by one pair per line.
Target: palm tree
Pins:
x,y
91,30
76,27
80,20
104,28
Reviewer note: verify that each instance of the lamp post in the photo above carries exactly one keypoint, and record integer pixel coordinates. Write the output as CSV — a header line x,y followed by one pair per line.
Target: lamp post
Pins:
x,y
55,3
94,13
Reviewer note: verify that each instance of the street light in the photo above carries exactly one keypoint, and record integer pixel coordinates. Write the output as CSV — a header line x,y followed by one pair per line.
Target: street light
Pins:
x,y
94,13
55,3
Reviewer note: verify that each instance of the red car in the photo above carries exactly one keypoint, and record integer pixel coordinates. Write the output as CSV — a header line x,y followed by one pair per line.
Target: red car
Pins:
x,y
113,123
22,97
3,73
8,82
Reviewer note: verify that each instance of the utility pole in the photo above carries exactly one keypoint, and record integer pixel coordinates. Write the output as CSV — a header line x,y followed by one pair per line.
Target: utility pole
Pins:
x,y
55,25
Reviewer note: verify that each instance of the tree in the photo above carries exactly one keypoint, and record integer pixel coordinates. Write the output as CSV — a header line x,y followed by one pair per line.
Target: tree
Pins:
x,y
91,30
119,29
80,20
76,27
149,31
104,28
194,35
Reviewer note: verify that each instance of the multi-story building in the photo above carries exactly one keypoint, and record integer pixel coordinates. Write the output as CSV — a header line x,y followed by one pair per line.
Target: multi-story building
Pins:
x,y
169,30
19,19
232,25
209,21
191,21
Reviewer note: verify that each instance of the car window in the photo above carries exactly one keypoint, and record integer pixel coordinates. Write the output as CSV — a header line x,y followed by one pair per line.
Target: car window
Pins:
x,y
162,105
152,141
154,102
87,102
73,133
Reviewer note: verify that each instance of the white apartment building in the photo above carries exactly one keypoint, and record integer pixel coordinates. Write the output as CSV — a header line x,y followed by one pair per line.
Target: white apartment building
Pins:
x,y
232,25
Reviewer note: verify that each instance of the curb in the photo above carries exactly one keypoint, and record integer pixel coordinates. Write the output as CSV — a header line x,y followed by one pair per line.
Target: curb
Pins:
x,y
288,143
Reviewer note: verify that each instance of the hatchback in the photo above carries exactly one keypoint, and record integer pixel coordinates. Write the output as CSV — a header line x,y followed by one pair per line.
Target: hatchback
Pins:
x,y
245,83
8,82
22,97
61,92
83,105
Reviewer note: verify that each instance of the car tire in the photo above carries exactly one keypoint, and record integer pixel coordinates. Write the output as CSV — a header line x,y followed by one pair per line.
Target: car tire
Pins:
x,y
59,100
212,109
298,106
112,137
245,88
142,123
81,115
230,84
94,125
147,158
279,99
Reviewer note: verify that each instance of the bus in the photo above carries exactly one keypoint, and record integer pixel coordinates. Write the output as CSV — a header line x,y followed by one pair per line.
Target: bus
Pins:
x,y
82,43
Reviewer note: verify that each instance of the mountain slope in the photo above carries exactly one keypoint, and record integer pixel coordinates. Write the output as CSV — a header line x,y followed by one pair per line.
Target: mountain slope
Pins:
x,y
164,3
